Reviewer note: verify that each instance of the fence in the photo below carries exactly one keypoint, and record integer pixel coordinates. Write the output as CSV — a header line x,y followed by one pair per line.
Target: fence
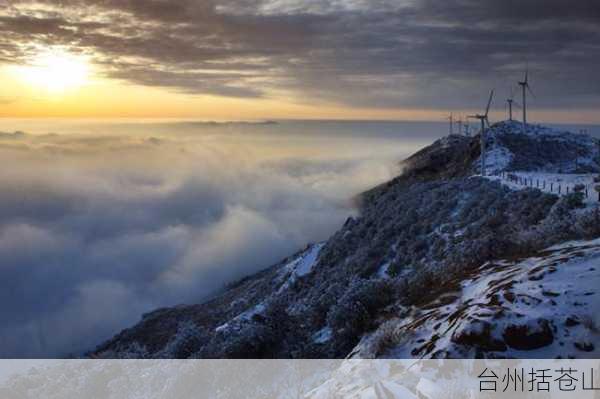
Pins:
x,y
560,188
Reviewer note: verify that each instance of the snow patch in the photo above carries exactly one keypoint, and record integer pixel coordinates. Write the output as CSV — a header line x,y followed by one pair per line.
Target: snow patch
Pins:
x,y
308,260
322,336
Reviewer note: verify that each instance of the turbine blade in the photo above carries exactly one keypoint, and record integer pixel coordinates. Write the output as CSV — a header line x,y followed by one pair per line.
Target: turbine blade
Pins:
x,y
487,110
530,91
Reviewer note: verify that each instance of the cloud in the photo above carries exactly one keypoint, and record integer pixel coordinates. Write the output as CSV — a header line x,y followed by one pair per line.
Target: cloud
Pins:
x,y
425,54
96,229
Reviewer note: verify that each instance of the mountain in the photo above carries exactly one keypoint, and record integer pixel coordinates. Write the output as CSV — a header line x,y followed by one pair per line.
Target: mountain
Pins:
x,y
440,263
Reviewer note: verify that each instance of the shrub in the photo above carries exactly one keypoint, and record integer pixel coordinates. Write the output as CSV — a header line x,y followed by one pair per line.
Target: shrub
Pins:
x,y
187,340
574,200
356,310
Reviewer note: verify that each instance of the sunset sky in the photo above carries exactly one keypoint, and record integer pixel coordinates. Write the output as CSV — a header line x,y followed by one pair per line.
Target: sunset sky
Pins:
x,y
247,59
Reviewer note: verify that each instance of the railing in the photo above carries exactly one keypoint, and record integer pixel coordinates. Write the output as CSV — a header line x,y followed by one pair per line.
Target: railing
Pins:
x,y
560,188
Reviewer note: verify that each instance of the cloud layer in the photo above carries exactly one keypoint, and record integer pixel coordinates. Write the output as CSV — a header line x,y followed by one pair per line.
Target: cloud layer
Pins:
x,y
407,53
96,229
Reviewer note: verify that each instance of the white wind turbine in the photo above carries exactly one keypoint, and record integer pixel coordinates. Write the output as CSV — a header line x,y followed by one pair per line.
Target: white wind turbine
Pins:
x,y
460,125
525,87
510,103
467,128
484,120
451,119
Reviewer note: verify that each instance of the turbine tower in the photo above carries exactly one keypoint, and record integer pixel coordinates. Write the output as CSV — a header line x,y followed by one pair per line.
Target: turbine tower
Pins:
x,y
510,103
484,120
467,128
451,119
525,87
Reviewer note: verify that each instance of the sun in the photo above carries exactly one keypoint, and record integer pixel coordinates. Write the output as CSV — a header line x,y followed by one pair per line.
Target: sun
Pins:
x,y
56,71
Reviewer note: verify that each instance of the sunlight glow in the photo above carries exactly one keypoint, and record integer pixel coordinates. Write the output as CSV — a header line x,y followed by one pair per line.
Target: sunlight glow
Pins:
x,y
56,71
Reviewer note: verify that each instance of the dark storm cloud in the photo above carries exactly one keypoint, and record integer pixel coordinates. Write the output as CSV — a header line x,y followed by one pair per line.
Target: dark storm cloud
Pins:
x,y
385,53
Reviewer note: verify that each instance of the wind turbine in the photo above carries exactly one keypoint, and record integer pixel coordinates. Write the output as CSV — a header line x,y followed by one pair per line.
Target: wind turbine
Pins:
x,y
525,86
510,101
484,120
451,119
467,128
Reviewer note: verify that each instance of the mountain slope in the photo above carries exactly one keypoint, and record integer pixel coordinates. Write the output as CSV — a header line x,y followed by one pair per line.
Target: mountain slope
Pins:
x,y
418,239
538,307
540,148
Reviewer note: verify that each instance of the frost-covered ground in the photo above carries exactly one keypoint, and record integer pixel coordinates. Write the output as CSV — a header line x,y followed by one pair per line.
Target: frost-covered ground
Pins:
x,y
552,160
540,307
539,148
290,272
556,183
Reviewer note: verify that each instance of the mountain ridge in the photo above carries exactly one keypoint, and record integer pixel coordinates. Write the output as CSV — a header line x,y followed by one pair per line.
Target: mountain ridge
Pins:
x,y
418,237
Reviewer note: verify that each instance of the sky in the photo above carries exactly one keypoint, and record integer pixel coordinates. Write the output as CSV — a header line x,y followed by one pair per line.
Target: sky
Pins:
x,y
305,59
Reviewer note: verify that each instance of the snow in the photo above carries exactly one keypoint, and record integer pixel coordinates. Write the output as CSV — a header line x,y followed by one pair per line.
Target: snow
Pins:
x,y
499,155
383,270
306,262
550,183
496,159
300,266
248,314
560,286
322,336
429,389
394,390
242,317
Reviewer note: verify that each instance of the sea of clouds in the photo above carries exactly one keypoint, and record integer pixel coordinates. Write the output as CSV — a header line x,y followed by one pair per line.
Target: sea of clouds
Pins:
x,y
99,224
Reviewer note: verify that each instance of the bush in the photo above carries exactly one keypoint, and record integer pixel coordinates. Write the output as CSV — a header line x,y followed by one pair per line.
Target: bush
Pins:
x,y
356,310
574,200
187,340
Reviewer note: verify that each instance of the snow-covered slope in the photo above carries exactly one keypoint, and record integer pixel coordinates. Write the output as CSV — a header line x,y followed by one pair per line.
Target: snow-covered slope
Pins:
x,y
544,306
539,148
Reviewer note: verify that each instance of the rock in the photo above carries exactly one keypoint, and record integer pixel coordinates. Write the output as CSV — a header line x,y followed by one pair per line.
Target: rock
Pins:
x,y
550,294
528,336
479,335
572,321
584,346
